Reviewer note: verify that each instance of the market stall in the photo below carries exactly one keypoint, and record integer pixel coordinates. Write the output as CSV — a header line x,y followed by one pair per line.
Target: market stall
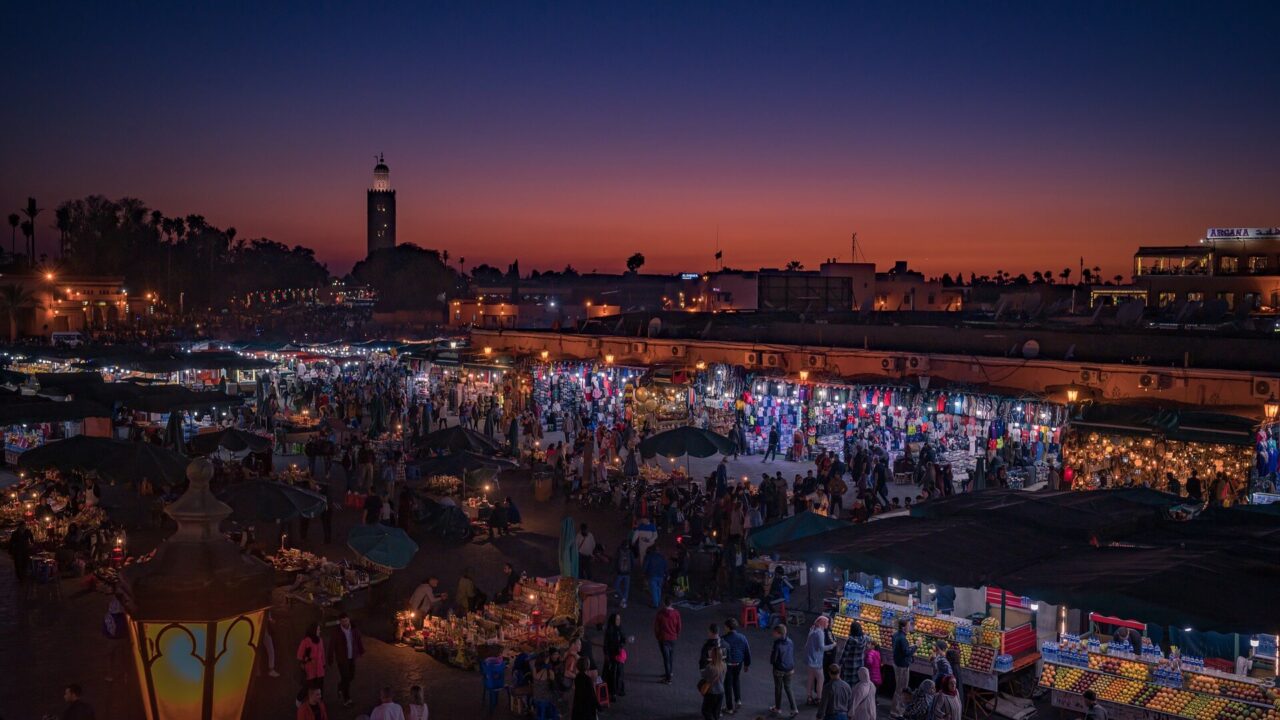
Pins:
x,y
541,614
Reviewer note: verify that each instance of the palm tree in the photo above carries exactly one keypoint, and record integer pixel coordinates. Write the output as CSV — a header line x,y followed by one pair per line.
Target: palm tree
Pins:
x,y
31,211
62,222
14,220
29,232
795,265
1065,275
14,298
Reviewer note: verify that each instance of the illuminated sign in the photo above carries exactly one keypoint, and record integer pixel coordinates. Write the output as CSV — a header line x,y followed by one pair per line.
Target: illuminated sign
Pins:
x,y
689,276
1242,233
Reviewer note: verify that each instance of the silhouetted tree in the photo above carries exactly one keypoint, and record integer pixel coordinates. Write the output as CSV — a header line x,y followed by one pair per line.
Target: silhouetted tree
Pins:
x,y
407,277
14,220
795,265
31,211
1065,275
15,298
634,263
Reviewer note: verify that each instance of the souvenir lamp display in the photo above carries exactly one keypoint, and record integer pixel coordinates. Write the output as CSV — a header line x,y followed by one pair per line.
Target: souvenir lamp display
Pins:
x,y
1096,460
1145,682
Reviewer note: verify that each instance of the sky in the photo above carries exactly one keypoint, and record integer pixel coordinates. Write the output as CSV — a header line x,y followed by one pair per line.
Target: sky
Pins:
x,y
958,136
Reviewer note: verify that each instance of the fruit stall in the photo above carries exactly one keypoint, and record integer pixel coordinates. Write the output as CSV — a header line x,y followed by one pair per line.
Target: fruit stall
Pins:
x,y
990,657
1145,683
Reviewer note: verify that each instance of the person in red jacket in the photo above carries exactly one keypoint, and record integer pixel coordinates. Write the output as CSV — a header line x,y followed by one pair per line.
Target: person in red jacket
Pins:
x,y
666,628
313,708
345,647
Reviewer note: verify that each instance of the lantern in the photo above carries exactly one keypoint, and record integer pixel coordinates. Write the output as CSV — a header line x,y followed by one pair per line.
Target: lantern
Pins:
x,y
1271,408
1073,394
196,612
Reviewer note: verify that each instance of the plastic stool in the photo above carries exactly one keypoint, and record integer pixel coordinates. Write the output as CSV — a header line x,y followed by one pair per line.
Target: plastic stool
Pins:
x,y
602,694
750,616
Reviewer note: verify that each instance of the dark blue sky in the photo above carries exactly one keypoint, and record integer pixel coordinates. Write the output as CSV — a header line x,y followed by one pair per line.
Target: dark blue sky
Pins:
x,y
965,136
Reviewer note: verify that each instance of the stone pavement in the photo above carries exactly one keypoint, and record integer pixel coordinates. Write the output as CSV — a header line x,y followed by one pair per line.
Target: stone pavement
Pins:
x,y
52,633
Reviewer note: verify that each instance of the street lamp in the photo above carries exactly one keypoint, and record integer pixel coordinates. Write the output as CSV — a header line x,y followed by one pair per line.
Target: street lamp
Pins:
x,y
196,612
1271,408
1073,394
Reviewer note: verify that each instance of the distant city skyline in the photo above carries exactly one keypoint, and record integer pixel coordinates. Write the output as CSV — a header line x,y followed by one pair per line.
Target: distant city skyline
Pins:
x,y
1018,140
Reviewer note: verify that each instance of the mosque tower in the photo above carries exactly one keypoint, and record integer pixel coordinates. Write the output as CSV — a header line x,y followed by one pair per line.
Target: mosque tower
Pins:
x,y
382,209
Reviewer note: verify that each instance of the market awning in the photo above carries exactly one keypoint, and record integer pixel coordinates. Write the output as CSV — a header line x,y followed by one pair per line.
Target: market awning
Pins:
x,y
1171,423
803,525
42,410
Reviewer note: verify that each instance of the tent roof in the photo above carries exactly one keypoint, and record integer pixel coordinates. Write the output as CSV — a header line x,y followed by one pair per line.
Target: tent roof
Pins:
x,y
806,524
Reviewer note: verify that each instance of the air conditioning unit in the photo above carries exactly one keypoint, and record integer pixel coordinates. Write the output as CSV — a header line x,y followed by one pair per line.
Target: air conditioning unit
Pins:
x,y
638,348
1264,388
771,360
893,363
678,351
752,358
593,343
917,363
1151,381
815,362
1092,376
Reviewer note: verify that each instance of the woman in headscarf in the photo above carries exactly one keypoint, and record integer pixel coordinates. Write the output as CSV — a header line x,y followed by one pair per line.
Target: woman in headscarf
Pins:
x,y
921,702
946,705
862,706
615,655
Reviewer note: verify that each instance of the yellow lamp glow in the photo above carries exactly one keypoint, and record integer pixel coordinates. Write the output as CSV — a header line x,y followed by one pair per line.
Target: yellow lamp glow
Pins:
x,y
546,354
1072,395
196,613
488,351
608,359
804,375
1271,408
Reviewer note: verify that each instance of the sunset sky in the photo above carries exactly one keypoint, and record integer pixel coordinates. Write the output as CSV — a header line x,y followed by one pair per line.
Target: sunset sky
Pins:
x,y
959,136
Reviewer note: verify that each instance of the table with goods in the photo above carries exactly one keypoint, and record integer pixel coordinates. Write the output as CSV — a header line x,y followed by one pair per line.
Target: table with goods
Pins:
x,y
539,615
989,656
1147,684
323,583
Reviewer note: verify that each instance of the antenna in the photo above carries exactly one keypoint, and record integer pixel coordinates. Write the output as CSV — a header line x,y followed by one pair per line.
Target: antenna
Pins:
x,y
854,249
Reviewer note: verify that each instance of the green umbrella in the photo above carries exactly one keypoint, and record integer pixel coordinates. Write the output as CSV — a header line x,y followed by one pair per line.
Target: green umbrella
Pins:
x,y
382,545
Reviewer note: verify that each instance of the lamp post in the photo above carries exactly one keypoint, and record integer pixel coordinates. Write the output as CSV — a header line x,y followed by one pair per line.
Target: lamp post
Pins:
x,y
196,612
1270,409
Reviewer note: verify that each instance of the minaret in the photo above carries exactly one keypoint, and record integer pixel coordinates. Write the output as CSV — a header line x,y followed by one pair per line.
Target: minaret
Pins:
x,y
382,209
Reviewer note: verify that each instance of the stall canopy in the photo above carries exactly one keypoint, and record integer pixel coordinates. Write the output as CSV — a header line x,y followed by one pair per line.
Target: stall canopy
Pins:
x,y
459,439
803,525
16,410
232,439
1120,552
120,460
1175,424
686,440
159,398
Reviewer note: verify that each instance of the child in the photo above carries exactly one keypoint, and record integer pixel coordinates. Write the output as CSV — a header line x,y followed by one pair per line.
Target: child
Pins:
x,y
873,664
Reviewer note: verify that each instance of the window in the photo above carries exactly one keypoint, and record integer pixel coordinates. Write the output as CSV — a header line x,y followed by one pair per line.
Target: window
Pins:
x,y
1252,300
1166,299
931,298
1257,263
1228,265
1195,297
1230,297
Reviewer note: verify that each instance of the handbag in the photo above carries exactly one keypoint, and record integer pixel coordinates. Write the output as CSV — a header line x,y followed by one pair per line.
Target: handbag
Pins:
x,y
704,687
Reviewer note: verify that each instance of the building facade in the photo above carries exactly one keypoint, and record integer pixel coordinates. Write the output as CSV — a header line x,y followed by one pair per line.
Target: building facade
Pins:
x,y
382,210
1238,266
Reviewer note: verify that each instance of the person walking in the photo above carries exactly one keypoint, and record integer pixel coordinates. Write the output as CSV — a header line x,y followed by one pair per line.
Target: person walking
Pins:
x,y
313,707
862,703
854,655
622,573
737,661
388,708
666,629
586,544
615,656
773,444
712,642
874,663
311,658
711,685
814,647
903,654
782,658
655,573
946,706
418,704
837,696
345,647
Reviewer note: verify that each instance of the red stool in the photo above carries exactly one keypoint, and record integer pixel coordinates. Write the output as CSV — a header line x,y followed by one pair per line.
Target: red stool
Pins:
x,y
781,611
602,694
750,616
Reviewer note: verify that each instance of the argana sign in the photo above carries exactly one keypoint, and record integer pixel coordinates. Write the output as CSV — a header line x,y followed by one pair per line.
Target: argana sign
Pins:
x,y
1242,233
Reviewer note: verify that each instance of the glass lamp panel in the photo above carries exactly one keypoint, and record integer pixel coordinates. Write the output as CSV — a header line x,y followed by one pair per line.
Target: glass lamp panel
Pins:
x,y
177,668
138,637
236,648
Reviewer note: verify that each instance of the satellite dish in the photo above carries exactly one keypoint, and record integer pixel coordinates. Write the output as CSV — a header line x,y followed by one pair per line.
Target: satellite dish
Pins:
x,y
655,327
1031,349
1130,313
